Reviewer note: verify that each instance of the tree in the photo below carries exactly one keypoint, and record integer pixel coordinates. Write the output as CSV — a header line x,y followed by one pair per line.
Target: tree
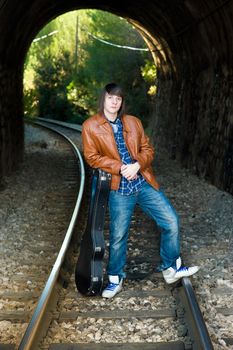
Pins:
x,y
104,63
70,67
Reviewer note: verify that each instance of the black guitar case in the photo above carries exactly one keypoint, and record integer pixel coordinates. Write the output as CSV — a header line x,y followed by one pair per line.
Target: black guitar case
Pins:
x,y
89,267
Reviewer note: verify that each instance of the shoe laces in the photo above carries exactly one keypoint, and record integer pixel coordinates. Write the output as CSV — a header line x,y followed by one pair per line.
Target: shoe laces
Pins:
x,y
112,286
182,268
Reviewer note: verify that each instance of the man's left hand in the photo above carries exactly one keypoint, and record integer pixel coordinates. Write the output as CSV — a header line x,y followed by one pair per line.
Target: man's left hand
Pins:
x,y
129,171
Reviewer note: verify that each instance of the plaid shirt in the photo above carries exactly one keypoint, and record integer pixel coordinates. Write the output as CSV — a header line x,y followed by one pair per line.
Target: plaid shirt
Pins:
x,y
126,187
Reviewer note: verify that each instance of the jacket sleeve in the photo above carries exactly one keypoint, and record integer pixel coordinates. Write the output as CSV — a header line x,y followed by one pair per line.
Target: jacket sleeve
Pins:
x,y
94,158
145,155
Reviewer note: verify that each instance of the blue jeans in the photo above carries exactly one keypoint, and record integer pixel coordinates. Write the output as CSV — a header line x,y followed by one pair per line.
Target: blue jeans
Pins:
x,y
157,206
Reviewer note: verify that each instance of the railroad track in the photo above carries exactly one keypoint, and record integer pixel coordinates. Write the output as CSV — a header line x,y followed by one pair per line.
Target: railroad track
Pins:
x,y
23,276
146,314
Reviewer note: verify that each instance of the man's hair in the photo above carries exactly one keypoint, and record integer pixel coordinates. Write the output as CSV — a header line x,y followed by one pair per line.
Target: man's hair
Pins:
x,y
112,89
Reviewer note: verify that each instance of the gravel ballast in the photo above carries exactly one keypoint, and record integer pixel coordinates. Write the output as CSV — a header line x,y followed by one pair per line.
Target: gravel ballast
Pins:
x,y
206,221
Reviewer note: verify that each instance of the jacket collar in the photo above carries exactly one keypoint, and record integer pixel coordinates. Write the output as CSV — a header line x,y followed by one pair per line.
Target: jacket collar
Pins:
x,y
102,120
125,123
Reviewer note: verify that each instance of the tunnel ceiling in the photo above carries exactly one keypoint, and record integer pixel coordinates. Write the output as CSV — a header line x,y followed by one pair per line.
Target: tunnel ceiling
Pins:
x,y
192,43
168,24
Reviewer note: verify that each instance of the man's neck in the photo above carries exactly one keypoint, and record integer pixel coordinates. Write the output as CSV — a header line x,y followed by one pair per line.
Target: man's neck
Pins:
x,y
111,117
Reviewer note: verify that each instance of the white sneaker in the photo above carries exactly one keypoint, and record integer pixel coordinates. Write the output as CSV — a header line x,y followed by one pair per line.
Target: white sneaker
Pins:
x,y
172,275
114,286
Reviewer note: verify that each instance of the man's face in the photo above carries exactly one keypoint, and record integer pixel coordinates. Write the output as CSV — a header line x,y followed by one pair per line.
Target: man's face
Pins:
x,y
112,103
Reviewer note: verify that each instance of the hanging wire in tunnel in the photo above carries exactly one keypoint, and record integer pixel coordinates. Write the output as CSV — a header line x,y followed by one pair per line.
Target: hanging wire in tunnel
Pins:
x,y
116,45
96,38
45,36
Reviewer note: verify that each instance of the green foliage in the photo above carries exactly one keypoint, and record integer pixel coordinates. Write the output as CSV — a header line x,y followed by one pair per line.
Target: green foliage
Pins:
x,y
51,78
149,73
64,72
30,102
104,63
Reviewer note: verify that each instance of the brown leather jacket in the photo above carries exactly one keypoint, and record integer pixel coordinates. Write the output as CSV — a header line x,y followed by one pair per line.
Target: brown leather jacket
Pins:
x,y
100,150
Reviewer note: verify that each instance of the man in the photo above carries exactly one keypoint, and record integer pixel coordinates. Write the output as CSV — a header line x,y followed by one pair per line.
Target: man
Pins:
x,y
116,143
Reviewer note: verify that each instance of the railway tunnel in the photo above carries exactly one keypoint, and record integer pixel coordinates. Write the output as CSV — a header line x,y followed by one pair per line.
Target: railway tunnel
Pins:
x,y
192,45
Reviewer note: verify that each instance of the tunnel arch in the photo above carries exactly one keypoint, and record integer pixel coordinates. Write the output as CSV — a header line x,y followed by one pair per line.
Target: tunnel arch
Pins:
x,y
192,42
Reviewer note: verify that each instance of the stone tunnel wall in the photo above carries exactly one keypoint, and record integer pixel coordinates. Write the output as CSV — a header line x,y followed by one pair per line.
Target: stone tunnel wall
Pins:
x,y
205,127
193,115
193,121
11,125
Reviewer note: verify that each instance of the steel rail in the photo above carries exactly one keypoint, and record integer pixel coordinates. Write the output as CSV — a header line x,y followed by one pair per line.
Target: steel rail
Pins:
x,y
67,125
30,336
196,324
